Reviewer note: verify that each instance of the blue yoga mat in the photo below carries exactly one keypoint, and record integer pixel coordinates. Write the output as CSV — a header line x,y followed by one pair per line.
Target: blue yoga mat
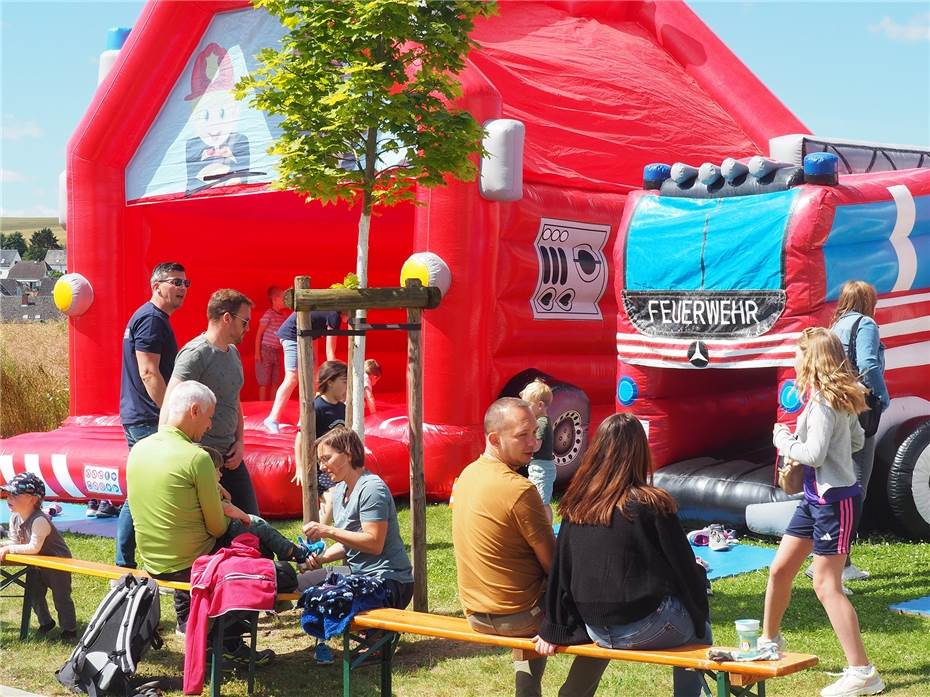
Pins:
x,y
72,519
919,606
740,559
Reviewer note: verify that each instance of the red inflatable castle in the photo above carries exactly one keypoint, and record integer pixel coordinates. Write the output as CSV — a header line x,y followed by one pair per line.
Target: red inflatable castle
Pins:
x,y
166,165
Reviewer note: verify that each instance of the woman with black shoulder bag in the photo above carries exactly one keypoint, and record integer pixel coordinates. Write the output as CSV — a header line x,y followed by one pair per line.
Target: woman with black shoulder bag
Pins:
x,y
854,325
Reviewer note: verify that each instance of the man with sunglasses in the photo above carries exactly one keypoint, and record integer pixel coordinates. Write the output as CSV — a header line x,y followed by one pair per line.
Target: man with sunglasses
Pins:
x,y
213,359
149,352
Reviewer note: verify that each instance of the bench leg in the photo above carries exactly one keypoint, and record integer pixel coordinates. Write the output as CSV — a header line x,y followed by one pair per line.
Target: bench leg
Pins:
x,y
253,646
726,688
216,665
27,604
346,666
387,657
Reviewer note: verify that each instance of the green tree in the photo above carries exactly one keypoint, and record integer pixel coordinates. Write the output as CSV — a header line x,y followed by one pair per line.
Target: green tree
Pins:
x,y
14,240
365,90
40,242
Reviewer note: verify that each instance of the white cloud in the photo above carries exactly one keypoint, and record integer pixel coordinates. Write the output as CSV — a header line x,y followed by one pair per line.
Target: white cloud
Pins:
x,y
8,176
917,28
16,129
36,211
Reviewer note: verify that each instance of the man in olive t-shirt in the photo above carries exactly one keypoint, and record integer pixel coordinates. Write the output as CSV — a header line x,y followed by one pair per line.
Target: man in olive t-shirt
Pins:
x,y
213,359
504,545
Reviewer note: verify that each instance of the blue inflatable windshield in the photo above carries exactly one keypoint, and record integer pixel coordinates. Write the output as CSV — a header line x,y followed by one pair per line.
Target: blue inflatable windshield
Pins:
x,y
708,244
860,246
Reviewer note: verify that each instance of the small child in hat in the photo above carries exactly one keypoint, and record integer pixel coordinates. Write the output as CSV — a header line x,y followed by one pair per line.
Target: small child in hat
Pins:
x,y
32,532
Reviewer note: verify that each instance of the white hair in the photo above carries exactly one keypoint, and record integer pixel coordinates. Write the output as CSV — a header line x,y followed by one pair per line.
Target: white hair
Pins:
x,y
185,395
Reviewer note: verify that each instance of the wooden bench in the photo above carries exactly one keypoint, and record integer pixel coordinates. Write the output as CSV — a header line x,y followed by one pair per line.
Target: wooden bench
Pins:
x,y
731,678
20,577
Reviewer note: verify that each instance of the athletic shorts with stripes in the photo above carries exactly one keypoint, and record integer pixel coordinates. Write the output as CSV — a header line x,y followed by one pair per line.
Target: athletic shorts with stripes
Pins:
x,y
832,526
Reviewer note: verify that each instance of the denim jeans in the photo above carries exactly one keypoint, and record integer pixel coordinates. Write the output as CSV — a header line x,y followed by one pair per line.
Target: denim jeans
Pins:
x,y
669,626
125,530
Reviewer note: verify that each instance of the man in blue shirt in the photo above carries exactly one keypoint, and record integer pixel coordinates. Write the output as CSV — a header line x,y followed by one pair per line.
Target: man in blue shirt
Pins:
x,y
149,351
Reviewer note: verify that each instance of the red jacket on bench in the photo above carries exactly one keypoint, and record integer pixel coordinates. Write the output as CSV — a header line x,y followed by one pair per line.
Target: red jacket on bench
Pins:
x,y
235,578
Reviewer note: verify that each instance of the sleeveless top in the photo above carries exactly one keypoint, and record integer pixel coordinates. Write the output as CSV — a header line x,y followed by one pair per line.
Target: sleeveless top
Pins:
x,y
21,532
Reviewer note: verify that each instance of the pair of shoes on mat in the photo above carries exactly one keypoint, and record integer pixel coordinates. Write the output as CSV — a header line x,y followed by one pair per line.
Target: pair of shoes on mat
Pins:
x,y
713,536
855,682
100,509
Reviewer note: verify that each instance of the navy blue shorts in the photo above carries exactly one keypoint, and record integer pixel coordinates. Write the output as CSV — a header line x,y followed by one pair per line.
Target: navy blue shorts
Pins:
x,y
831,526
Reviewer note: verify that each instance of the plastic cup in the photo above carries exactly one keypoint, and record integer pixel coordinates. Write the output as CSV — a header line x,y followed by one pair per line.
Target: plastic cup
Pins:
x,y
748,633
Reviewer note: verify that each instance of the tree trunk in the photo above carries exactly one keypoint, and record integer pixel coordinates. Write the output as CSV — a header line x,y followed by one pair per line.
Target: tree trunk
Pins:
x,y
357,403
361,270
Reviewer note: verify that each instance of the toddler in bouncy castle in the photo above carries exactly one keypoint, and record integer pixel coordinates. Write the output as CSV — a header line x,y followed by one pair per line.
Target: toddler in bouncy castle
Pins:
x,y
541,470
32,532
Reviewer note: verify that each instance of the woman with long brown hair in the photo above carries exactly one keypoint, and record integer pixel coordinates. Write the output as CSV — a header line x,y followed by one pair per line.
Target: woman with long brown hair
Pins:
x,y
854,325
624,575
825,521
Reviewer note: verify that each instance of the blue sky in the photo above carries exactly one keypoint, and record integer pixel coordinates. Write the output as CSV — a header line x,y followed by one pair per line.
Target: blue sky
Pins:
x,y
857,70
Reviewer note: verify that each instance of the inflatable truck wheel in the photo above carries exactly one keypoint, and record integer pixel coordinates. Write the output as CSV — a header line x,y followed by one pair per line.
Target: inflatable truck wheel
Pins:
x,y
909,484
570,416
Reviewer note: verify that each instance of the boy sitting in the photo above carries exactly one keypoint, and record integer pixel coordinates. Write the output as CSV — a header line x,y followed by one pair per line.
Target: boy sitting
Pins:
x,y
239,522
32,532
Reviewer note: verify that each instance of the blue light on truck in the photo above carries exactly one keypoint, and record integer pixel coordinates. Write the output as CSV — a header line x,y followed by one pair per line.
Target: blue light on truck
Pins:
x,y
627,391
788,397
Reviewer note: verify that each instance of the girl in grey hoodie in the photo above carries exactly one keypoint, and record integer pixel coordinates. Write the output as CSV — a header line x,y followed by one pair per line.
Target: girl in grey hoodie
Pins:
x,y
827,434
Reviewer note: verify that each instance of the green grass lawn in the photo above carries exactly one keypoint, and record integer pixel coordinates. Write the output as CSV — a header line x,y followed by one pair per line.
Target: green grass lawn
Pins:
x,y
899,645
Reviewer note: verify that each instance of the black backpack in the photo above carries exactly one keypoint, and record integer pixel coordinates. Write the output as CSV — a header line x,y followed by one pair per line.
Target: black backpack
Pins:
x,y
870,417
118,635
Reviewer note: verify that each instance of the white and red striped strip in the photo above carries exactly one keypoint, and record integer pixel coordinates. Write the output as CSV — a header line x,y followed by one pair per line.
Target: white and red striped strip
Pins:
x,y
755,352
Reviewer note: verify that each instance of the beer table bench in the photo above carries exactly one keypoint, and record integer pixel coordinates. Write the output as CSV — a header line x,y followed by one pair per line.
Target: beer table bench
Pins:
x,y
732,679
21,577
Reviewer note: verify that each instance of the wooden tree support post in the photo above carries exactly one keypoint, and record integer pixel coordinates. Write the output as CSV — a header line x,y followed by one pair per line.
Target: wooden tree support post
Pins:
x,y
417,484
305,370
414,298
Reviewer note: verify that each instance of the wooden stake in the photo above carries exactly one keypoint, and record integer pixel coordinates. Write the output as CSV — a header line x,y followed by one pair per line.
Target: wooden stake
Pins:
x,y
305,371
417,484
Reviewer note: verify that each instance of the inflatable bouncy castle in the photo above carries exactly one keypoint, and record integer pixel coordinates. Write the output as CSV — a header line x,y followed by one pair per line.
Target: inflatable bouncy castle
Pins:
x,y
720,267
166,165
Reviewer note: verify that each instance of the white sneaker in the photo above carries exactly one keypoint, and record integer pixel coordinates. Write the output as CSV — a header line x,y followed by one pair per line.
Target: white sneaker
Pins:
x,y
776,645
854,573
854,683
810,574
717,541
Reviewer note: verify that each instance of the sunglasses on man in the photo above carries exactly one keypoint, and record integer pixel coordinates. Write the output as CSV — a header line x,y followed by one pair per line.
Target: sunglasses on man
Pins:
x,y
177,282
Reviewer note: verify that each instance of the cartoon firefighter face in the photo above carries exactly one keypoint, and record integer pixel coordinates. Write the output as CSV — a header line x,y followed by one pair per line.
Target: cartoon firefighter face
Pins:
x,y
218,156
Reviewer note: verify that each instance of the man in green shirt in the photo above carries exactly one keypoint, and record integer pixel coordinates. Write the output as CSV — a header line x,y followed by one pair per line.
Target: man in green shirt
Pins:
x,y
173,495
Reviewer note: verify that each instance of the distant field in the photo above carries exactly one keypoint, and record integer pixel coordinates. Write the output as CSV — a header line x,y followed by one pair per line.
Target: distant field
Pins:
x,y
29,225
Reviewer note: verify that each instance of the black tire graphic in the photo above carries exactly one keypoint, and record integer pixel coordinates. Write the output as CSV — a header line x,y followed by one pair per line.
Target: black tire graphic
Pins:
x,y
569,414
909,484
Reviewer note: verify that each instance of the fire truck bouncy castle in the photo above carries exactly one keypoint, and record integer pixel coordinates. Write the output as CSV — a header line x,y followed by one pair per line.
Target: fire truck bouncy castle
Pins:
x,y
166,165
719,268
